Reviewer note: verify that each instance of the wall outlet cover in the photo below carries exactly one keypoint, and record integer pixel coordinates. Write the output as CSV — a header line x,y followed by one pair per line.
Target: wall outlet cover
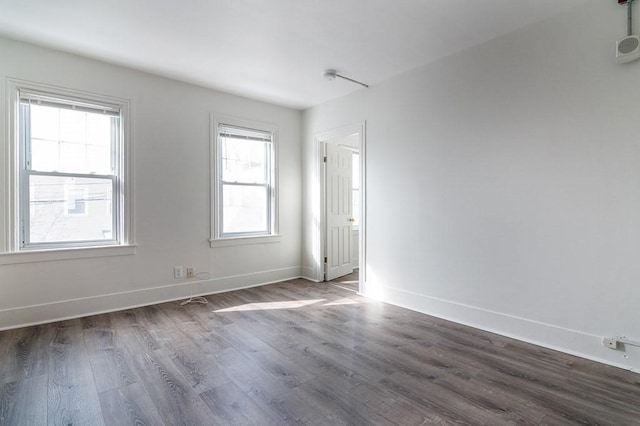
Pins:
x,y
178,272
610,342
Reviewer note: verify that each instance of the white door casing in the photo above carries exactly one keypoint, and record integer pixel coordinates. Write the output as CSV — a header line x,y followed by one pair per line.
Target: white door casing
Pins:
x,y
338,175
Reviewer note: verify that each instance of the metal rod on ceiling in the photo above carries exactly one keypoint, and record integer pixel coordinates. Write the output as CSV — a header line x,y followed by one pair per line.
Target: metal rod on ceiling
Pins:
x,y
332,74
352,80
629,17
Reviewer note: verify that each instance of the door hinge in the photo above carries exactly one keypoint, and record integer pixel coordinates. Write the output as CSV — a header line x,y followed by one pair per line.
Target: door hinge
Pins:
x,y
324,160
325,259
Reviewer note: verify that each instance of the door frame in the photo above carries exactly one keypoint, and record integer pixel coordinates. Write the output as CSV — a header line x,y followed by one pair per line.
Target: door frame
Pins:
x,y
319,140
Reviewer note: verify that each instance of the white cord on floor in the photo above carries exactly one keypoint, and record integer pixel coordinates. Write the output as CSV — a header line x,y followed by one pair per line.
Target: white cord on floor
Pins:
x,y
196,299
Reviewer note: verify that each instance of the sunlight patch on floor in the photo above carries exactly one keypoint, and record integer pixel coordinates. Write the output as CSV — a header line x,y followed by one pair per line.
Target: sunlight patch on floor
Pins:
x,y
264,306
345,301
347,282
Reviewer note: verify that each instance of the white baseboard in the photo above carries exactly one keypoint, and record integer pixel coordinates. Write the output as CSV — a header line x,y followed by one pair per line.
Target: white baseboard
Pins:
x,y
550,336
309,273
68,309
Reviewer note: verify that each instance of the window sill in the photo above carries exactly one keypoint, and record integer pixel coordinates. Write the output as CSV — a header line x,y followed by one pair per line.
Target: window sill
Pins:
x,y
238,241
65,254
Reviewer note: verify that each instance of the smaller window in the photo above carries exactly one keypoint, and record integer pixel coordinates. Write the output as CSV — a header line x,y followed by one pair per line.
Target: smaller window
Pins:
x,y
245,181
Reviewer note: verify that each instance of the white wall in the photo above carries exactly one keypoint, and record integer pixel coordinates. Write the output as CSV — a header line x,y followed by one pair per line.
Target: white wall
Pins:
x,y
171,166
504,185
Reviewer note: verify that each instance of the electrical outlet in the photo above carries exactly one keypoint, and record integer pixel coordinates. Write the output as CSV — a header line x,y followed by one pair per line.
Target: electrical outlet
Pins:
x,y
189,272
610,342
178,272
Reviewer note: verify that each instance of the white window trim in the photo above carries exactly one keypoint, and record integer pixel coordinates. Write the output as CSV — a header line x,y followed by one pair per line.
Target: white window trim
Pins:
x,y
66,254
10,215
217,240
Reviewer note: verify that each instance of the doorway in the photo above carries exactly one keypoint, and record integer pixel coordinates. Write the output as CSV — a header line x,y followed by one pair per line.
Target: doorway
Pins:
x,y
341,158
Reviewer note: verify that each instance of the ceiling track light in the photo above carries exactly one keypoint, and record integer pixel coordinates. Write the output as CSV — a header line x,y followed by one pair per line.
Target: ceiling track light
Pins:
x,y
332,74
628,49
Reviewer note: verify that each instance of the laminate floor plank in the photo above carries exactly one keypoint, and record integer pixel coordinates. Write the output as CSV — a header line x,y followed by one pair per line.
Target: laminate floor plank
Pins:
x,y
325,368
200,315
112,368
162,329
439,402
176,402
129,405
23,353
248,374
24,402
201,371
268,392
201,334
338,407
72,395
272,361
99,339
515,388
124,325
301,412
96,321
231,406
297,353
470,382
529,387
373,368
390,405
445,374
536,385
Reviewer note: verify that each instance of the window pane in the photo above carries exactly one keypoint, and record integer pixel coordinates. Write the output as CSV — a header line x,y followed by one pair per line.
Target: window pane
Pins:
x,y
70,209
83,140
73,157
99,130
45,154
245,161
99,159
245,209
73,126
48,120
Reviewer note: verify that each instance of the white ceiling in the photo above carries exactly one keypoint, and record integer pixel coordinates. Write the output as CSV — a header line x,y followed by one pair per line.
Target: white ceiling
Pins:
x,y
271,50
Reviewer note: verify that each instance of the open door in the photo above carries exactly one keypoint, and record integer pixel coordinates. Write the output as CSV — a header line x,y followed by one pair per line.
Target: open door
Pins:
x,y
339,211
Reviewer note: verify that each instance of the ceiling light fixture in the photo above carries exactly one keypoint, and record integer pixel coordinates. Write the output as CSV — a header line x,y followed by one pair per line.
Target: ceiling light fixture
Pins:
x,y
332,74
628,49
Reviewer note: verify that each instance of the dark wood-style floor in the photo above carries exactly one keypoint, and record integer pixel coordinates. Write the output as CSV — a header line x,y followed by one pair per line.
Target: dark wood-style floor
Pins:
x,y
296,353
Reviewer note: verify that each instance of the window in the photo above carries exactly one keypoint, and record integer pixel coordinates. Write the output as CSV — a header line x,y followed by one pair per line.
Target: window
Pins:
x,y
70,173
245,177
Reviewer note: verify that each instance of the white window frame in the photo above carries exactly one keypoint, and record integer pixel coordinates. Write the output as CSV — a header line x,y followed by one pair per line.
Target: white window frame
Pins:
x,y
218,238
11,245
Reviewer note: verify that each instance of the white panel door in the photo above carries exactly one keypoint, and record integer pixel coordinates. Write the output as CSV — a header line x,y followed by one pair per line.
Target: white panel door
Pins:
x,y
339,212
